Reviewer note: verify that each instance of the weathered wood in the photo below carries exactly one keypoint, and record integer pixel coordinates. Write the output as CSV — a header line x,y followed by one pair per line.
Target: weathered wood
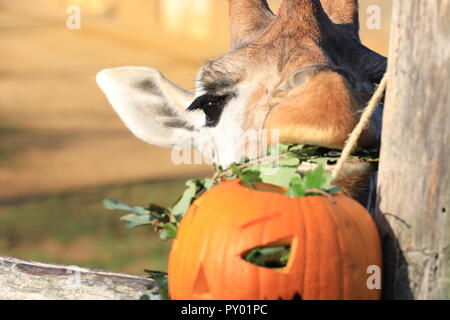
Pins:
x,y
414,175
26,280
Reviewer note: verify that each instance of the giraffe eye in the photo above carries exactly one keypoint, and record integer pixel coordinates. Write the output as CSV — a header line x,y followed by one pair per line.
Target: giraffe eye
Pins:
x,y
212,106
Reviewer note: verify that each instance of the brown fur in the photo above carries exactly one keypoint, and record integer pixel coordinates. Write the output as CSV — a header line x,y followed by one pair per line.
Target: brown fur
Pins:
x,y
321,112
354,178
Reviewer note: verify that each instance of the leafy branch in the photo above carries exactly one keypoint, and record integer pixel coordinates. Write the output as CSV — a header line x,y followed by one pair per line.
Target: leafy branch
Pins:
x,y
279,167
164,220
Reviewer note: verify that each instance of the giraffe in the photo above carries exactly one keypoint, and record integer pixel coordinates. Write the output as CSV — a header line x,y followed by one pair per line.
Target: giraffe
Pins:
x,y
302,72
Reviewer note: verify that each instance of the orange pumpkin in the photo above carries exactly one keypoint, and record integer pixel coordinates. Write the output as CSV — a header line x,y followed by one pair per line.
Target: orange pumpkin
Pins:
x,y
333,242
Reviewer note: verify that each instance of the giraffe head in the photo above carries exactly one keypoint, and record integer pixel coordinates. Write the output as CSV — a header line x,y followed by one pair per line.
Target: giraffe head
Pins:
x,y
303,73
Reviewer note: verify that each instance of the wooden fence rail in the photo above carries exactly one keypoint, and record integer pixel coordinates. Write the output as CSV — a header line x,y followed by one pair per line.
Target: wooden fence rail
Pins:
x,y
27,280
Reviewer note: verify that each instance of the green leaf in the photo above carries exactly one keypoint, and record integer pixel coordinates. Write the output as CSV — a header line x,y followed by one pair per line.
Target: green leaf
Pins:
x,y
162,281
250,176
208,183
284,259
296,188
278,149
244,159
280,176
314,179
195,188
289,162
235,169
111,204
284,147
144,297
317,178
154,208
296,148
169,231
180,208
133,220
218,170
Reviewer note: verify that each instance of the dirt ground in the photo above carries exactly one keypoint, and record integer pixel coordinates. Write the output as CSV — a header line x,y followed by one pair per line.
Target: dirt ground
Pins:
x,y
57,131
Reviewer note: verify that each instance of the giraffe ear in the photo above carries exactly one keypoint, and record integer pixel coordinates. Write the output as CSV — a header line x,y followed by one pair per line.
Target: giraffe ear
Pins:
x,y
247,19
344,13
151,106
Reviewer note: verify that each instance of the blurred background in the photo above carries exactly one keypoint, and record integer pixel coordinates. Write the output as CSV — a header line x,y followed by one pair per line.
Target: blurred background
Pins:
x,y
62,147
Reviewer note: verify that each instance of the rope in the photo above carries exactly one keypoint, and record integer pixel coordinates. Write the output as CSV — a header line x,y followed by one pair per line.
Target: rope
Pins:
x,y
352,141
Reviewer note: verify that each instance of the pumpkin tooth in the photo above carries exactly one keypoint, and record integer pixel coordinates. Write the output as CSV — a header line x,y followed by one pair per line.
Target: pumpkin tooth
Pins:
x,y
297,296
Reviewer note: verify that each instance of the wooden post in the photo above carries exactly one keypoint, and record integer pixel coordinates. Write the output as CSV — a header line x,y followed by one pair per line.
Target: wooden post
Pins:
x,y
414,176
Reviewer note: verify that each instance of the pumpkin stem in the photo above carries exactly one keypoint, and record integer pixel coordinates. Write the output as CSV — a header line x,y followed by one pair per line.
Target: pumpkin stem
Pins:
x,y
321,192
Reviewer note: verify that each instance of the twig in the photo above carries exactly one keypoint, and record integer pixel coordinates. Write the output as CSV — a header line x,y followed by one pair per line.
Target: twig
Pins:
x,y
323,193
245,165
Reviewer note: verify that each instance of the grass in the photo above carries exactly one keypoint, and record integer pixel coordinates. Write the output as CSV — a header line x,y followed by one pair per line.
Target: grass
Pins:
x,y
75,228
7,147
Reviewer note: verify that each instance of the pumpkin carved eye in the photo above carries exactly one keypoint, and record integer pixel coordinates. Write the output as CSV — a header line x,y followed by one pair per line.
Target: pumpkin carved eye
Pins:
x,y
274,255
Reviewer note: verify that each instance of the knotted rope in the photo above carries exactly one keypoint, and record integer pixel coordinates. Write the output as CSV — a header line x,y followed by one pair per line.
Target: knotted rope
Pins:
x,y
352,141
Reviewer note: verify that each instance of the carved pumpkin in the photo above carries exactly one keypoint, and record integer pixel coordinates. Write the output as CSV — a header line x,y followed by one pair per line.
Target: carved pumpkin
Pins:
x,y
332,244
